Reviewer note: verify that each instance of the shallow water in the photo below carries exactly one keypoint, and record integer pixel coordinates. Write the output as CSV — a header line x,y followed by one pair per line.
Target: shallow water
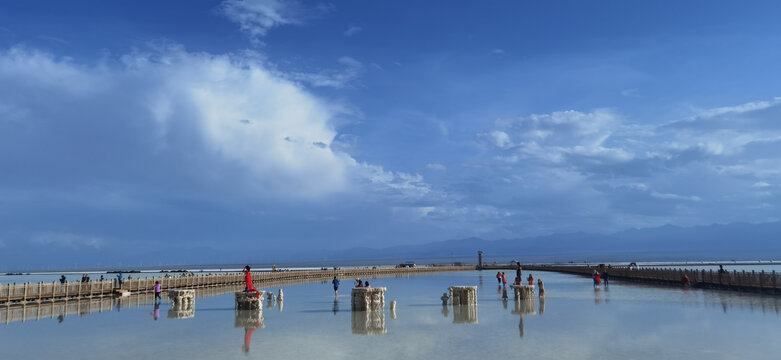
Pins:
x,y
625,321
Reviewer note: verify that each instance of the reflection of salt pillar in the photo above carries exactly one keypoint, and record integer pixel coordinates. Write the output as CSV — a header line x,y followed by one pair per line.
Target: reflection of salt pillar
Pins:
x,y
542,305
393,309
250,320
524,307
464,314
184,310
368,322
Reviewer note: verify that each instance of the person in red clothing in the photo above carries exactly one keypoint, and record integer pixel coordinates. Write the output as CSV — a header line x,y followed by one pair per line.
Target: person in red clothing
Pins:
x,y
248,287
530,279
498,278
504,280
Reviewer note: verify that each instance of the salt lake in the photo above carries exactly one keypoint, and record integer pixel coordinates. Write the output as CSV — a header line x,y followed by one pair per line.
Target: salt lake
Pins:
x,y
574,321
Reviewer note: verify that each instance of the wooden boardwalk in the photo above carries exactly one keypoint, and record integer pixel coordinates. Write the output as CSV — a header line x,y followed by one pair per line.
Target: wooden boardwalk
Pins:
x,y
763,282
43,292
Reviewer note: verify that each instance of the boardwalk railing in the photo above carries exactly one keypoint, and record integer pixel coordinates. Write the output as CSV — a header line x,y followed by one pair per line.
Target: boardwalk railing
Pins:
x,y
745,280
38,292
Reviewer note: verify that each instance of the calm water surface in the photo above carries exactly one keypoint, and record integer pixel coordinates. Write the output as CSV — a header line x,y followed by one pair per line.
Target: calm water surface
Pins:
x,y
625,321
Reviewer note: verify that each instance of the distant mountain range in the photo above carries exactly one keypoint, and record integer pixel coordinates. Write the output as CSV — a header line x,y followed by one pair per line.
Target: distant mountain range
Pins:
x,y
739,241
736,241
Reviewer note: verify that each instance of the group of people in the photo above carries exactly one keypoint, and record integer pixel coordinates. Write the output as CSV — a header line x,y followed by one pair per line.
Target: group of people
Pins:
x,y
599,278
501,278
358,284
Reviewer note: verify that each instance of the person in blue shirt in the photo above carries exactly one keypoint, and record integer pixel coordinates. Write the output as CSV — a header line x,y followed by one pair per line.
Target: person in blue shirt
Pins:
x,y
335,281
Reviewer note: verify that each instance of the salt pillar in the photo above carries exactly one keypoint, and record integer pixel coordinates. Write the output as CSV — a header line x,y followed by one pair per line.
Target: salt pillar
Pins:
x,y
372,298
463,295
523,291
249,300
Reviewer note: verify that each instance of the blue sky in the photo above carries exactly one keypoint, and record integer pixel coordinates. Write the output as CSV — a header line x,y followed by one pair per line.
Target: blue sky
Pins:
x,y
278,126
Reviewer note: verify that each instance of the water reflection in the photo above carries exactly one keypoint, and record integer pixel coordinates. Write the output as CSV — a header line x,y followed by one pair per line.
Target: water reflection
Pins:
x,y
250,320
464,314
336,306
185,310
155,314
445,310
370,322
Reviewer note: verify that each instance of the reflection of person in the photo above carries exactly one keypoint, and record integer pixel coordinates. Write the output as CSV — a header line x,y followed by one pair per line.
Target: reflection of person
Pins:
x,y
336,306
335,281
156,312
248,338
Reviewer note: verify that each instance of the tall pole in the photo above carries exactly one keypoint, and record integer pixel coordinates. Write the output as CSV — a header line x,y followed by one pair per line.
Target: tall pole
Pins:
x,y
479,260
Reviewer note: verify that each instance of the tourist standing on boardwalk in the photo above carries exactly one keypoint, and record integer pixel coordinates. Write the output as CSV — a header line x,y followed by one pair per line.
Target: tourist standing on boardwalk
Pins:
x,y
335,281
158,290
120,280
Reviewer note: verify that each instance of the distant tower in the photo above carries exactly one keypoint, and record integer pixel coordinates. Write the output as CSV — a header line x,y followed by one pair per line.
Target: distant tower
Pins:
x,y
479,260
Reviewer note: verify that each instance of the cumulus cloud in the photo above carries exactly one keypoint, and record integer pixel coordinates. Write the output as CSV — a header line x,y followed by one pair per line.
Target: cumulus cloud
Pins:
x,y
722,157
195,118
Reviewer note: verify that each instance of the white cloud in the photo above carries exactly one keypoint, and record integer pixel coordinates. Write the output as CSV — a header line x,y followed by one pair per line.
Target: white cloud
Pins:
x,y
673,196
67,240
335,78
352,30
224,117
761,184
436,167
497,51
257,17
